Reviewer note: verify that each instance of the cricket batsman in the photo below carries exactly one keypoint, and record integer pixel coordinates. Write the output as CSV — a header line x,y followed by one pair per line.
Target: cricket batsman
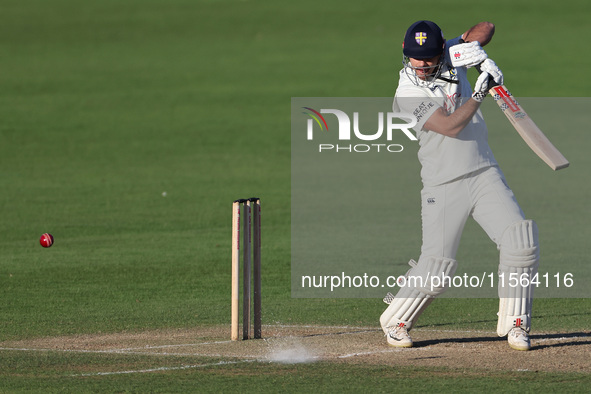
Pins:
x,y
461,178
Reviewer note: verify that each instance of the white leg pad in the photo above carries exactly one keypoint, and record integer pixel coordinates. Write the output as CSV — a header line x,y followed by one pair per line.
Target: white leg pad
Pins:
x,y
519,260
418,291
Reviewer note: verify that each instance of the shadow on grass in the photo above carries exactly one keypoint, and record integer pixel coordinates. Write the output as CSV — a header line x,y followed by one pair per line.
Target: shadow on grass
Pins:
x,y
573,336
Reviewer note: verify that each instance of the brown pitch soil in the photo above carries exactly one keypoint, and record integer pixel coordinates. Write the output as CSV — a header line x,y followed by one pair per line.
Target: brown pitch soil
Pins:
x,y
473,350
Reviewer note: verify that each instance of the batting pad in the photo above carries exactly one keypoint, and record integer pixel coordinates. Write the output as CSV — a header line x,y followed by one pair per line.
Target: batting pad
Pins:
x,y
519,260
418,291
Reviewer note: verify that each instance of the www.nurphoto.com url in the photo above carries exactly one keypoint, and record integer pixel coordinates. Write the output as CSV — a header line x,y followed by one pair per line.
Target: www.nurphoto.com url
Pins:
x,y
491,279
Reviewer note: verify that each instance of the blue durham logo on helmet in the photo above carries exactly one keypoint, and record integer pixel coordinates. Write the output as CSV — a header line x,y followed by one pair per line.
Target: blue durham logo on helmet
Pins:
x,y
423,40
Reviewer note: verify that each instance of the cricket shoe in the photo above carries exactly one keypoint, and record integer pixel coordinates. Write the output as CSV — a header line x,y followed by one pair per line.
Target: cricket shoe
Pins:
x,y
518,339
398,337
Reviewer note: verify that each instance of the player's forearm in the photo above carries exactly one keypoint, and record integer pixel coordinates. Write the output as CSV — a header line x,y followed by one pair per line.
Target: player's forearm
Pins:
x,y
482,32
452,124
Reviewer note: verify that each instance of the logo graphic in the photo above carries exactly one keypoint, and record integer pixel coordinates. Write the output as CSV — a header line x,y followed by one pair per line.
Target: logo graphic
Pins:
x,y
503,94
430,201
315,115
385,123
350,125
520,115
420,37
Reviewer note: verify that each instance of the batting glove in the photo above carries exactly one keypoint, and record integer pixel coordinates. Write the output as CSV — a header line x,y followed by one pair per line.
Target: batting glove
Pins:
x,y
490,75
467,54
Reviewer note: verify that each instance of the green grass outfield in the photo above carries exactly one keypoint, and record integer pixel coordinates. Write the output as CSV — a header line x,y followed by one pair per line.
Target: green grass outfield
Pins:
x,y
128,127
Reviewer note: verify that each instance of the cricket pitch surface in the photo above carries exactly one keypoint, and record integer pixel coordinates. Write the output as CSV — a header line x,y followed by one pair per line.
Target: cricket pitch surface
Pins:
x,y
474,350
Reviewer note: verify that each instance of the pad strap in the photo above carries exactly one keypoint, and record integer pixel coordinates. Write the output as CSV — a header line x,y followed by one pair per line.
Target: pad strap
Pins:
x,y
418,291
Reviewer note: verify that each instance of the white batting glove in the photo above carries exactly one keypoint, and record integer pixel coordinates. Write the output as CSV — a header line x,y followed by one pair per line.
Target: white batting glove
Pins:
x,y
468,54
490,76
490,67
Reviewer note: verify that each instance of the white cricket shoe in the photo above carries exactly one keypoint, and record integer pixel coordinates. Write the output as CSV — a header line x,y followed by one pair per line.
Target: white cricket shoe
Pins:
x,y
398,337
518,339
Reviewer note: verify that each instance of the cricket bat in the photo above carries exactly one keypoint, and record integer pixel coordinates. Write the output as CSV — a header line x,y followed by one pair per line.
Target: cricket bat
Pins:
x,y
527,129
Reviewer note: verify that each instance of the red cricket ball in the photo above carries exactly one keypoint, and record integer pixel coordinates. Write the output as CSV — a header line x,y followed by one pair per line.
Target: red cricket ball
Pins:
x,y
46,240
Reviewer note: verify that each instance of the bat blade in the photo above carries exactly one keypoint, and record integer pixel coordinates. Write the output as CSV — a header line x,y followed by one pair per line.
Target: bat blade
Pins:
x,y
527,129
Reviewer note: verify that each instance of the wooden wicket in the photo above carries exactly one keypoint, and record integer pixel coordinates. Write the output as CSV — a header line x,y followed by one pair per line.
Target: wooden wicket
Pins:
x,y
235,267
257,267
249,210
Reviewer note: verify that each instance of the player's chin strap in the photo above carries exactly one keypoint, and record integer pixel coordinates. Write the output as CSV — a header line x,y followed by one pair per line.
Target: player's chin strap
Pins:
x,y
448,80
518,265
439,76
421,284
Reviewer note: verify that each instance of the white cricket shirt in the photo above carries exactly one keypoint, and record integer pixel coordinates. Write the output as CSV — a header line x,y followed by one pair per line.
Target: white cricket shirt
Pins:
x,y
442,158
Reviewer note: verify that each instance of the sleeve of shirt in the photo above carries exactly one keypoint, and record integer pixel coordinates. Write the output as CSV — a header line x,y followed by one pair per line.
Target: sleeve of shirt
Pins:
x,y
417,108
448,45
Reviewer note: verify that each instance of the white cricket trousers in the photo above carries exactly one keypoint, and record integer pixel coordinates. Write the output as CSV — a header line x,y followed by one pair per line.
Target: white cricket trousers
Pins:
x,y
482,194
